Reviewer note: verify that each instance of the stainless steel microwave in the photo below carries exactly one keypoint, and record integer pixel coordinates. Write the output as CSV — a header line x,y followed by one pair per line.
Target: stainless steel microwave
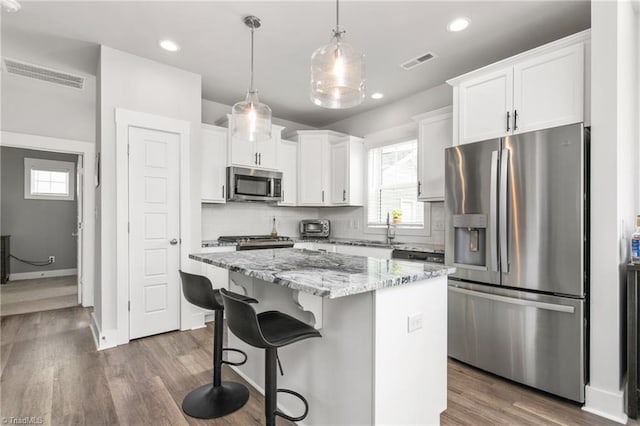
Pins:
x,y
246,184
315,228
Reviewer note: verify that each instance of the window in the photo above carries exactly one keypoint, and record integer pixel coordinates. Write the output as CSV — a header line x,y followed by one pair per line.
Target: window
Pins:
x,y
48,179
393,185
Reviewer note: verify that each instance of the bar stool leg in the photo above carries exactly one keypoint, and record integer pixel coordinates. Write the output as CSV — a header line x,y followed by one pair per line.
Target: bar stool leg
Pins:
x,y
271,386
219,398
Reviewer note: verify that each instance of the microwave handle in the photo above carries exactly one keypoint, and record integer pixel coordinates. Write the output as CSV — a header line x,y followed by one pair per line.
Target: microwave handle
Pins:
x,y
272,187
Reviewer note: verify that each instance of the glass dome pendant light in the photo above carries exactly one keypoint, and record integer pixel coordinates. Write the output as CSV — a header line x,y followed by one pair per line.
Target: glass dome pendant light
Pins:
x,y
337,72
251,119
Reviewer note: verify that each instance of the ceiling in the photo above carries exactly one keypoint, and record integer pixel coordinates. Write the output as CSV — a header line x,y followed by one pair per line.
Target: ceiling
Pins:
x,y
215,43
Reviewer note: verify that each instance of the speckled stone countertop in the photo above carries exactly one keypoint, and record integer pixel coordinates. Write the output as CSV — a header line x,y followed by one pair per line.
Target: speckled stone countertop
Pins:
x,y
329,275
417,247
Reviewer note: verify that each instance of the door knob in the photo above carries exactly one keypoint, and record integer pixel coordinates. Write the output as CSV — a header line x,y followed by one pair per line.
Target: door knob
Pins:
x,y
173,242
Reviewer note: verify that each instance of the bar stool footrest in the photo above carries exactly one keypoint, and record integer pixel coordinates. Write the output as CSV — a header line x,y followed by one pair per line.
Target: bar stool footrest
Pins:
x,y
301,398
236,364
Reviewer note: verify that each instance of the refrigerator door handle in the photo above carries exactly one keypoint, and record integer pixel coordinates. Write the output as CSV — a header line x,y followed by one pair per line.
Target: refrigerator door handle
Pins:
x,y
513,301
493,212
504,181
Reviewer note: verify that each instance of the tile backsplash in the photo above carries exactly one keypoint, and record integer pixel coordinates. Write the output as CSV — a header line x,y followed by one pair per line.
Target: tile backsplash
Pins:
x,y
346,222
252,219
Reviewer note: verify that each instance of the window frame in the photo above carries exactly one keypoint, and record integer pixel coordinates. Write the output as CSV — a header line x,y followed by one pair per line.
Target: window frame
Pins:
x,y
49,166
385,138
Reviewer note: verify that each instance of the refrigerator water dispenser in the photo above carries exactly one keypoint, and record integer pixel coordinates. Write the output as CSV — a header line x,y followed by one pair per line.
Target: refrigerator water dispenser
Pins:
x,y
470,240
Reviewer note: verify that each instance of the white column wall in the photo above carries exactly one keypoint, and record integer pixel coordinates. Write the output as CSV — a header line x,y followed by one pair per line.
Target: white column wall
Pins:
x,y
614,200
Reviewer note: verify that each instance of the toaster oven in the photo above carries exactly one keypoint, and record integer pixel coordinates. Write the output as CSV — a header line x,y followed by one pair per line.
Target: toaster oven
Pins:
x,y
315,228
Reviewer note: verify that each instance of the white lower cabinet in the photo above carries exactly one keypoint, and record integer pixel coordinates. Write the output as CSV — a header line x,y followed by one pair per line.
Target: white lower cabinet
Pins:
x,y
378,252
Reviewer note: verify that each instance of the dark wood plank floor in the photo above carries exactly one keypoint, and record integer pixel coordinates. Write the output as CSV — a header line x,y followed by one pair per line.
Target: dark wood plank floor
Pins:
x,y
50,369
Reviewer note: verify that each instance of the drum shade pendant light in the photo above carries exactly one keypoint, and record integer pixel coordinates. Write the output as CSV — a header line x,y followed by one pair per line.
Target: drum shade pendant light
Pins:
x,y
251,119
337,72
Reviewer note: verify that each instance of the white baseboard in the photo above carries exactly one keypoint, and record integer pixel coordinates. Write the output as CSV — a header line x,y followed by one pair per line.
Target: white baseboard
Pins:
x,y
102,340
604,403
42,274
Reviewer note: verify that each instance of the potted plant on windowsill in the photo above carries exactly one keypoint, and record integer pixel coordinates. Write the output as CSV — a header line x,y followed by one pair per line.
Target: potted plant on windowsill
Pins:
x,y
396,216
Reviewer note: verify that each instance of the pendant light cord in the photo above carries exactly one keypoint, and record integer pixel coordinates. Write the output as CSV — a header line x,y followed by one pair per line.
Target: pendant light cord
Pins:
x,y
251,88
337,33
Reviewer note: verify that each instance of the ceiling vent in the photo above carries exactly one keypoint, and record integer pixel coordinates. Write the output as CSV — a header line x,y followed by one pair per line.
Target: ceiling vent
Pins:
x,y
42,73
419,60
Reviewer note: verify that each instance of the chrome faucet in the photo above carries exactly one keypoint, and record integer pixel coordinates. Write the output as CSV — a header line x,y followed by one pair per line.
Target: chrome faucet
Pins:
x,y
391,231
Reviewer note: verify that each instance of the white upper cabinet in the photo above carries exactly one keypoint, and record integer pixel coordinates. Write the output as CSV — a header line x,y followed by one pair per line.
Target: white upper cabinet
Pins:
x,y
288,165
485,105
539,89
214,164
548,90
261,155
330,168
435,134
347,171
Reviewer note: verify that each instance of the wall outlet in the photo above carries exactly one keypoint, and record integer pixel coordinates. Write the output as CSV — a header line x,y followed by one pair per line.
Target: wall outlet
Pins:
x,y
52,259
438,225
414,322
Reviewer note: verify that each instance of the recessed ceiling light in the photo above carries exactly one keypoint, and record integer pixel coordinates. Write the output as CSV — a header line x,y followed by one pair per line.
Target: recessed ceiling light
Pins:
x,y
377,95
10,5
168,45
458,24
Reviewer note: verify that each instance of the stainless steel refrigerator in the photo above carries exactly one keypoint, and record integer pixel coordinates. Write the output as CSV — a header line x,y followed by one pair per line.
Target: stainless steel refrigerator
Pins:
x,y
516,222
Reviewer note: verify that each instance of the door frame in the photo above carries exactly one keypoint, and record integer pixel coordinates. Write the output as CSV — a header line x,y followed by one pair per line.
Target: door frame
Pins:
x,y
86,151
125,119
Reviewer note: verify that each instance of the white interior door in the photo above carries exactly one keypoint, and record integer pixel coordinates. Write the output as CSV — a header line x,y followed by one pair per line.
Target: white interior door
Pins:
x,y
154,232
80,222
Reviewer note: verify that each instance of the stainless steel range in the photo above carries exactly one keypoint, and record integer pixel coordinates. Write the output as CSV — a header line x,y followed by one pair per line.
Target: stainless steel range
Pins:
x,y
256,242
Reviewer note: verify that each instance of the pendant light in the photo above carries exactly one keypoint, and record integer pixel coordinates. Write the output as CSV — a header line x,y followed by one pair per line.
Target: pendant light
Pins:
x,y
251,119
337,72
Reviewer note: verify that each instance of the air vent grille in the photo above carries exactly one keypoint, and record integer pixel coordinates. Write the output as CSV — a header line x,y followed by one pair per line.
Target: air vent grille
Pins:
x,y
418,60
41,73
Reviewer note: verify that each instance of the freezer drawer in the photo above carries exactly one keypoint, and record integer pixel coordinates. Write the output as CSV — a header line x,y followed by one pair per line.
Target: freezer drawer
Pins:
x,y
530,338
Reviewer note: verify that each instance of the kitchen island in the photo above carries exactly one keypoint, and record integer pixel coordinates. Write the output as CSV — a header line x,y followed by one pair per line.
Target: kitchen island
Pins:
x,y
382,358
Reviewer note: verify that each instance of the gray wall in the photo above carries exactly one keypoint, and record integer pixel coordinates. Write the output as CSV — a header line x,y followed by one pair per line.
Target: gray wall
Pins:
x,y
38,228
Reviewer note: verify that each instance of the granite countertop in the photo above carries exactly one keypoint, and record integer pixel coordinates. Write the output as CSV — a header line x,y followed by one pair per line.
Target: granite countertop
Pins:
x,y
323,274
417,247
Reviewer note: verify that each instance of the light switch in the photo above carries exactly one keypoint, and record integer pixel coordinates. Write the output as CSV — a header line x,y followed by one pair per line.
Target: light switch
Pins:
x,y
414,322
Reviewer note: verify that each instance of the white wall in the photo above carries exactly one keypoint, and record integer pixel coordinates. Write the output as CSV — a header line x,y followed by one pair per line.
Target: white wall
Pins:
x,y
138,84
252,219
614,144
39,108
396,113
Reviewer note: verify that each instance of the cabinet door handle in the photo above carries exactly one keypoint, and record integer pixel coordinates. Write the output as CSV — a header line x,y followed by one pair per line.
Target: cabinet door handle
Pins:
x,y
260,158
323,196
223,192
255,159
344,195
419,188
515,120
508,120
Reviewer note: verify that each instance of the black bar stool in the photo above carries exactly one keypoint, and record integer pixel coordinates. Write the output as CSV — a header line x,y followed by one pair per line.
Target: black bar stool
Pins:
x,y
268,330
219,398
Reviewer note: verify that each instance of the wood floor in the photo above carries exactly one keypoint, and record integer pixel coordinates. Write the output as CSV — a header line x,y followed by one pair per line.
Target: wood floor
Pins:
x,y
50,369
42,294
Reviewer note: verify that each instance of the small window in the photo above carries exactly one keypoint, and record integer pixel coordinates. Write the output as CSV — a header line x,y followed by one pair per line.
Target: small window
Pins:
x,y
393,185
48,179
